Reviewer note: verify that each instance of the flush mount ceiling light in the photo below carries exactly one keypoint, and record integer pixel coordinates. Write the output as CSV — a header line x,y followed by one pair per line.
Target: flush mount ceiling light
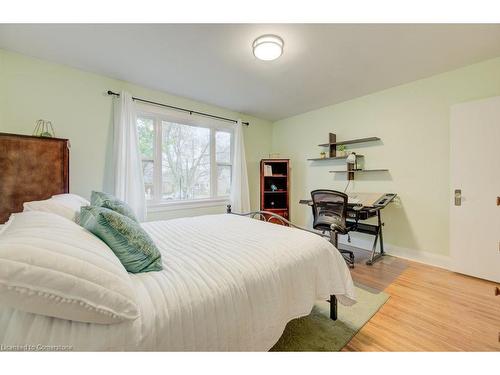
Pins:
x,y
268,47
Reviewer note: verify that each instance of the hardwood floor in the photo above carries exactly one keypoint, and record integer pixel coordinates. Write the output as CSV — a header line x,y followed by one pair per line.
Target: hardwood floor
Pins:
x,y
429,309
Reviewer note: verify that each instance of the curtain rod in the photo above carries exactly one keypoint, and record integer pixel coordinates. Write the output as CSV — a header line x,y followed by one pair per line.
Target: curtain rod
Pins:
x,y
191,112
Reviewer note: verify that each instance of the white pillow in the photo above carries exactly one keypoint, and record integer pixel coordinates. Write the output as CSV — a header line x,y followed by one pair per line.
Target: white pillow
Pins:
x,y
71,200
51,266
65,205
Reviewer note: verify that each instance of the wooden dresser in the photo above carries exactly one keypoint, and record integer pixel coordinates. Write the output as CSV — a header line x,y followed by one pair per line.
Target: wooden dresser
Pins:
x,y
31,168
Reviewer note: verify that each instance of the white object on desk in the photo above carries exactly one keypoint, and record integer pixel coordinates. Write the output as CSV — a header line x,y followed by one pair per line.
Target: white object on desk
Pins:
x,y
353,200
366,199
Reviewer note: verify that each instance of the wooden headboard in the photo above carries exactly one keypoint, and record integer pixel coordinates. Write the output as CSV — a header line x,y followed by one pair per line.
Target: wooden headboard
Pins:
x,y
31,168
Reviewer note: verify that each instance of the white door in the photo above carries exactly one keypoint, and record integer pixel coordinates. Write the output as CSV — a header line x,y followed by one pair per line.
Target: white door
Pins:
x,y
475,171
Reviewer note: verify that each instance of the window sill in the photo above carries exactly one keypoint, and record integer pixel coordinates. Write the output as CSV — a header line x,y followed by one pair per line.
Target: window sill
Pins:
x,y
186,205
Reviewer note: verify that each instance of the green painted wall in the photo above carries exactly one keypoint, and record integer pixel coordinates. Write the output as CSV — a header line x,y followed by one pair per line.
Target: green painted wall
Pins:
x,y
413,122
76,103
411,119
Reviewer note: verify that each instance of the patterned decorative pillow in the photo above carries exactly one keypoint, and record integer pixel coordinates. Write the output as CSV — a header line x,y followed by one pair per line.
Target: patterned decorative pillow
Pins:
x,y
106,200
130,243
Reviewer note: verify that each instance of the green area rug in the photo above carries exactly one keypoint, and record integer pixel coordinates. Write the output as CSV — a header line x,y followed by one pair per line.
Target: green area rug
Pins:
x,y
318,333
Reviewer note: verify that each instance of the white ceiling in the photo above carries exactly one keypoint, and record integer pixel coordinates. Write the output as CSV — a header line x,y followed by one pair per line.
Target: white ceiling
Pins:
x,y
322,64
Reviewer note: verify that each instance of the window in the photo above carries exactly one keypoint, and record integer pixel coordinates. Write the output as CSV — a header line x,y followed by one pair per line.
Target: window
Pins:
x,y
184,161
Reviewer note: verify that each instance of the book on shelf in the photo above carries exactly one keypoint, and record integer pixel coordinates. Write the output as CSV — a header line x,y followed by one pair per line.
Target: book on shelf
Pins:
x,y
268,170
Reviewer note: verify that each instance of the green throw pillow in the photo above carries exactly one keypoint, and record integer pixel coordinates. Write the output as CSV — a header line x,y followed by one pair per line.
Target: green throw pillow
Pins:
x,y
106,200
130,243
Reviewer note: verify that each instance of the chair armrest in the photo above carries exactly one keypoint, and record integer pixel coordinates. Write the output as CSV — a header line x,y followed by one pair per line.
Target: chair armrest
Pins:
x,y
337,227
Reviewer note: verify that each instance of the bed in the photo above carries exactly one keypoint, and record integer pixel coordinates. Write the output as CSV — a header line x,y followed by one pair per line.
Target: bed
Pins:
x,y
228,283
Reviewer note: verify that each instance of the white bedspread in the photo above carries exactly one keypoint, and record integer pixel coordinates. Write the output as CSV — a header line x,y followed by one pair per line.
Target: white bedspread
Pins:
x,y
229,283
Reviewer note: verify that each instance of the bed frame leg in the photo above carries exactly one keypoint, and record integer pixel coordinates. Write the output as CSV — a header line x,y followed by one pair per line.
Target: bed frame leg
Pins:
x,y
333,307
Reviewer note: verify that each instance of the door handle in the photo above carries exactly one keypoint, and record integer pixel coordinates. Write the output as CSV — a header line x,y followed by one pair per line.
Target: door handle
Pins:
x,y
458,197
498,201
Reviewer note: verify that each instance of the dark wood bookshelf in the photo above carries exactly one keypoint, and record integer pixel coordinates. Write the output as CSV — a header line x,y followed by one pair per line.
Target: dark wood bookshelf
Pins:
x,y
275,201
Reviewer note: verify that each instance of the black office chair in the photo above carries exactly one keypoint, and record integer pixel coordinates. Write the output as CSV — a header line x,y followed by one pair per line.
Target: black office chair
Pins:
x,y
329,215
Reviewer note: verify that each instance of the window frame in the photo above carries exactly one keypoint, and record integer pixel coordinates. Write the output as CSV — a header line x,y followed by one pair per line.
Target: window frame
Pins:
x,y
213,171
158,115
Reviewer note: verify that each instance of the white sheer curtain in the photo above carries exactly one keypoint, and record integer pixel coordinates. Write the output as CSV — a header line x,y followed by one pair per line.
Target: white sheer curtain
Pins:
x,y
240,195
128,181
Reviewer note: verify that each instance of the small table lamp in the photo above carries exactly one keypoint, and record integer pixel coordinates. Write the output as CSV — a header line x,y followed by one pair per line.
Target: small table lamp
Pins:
x,y
352,165
351,159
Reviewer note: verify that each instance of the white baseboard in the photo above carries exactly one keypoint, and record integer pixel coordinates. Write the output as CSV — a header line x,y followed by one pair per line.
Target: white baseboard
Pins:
x,y
365,241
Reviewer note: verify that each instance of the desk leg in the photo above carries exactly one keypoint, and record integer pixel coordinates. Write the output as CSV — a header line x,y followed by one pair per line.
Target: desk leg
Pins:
x,y
380,225
376,256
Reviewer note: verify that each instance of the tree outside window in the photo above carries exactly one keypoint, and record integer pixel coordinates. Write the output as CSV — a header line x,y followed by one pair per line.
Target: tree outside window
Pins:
x,y
184,162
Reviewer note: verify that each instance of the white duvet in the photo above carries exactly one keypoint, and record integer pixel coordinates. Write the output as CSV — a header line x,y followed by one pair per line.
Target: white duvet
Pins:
x,y
229,283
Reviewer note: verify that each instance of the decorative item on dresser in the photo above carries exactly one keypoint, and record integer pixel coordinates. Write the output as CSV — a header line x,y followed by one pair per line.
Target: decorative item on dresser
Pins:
x,y
275,188
20,156
44,129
